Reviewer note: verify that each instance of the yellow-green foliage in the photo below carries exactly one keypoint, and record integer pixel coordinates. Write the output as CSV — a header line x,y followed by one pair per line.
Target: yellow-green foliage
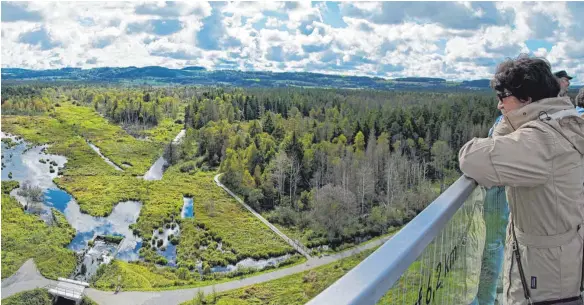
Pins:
x,y
238,228
135,275
97,195
8,186
192,237
26,236
164,132
111,139
37,296
293,289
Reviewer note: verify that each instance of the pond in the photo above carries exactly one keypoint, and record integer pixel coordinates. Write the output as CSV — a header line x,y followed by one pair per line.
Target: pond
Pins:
x,y
157,169
187,210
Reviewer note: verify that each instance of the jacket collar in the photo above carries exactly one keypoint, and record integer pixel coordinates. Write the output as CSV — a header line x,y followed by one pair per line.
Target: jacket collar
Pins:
x,y
537,110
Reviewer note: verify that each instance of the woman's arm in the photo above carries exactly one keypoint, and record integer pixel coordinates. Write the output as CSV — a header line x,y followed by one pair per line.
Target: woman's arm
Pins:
x,y
521,158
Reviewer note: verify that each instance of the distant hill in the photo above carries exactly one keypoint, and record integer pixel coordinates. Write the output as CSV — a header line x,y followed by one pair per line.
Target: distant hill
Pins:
x,y
421,80
479,83
155,75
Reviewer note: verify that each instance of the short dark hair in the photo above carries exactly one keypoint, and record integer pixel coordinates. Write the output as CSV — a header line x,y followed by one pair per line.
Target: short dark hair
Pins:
x,y
580,98
526,77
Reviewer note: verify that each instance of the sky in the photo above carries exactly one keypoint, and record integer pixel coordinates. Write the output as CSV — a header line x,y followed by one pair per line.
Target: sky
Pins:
x,y
452,40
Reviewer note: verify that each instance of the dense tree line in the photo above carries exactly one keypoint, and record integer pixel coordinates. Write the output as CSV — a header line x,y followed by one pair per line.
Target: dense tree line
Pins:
x,y
27,100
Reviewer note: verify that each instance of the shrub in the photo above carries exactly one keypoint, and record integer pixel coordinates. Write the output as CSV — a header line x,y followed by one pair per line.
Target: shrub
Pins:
x,y
162,260
38,296
174,241
182,273
30,192
188,166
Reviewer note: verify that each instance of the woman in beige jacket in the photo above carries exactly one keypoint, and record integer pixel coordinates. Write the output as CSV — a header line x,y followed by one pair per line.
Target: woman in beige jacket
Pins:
x,y
536,152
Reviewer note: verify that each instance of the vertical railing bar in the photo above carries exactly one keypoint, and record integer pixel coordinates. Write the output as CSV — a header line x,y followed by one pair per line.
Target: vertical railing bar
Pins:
x,y
405,282
432,266
443,266
452,238
460,261
421,274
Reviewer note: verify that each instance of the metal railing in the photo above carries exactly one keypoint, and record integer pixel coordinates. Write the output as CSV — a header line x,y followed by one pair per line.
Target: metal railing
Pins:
x,y
65,292
434,259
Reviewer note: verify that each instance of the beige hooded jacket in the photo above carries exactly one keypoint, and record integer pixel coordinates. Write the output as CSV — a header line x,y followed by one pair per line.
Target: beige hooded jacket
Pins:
x,y
536,152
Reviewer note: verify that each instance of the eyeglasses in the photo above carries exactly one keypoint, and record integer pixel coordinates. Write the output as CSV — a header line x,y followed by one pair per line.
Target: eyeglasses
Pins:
x,y
503,95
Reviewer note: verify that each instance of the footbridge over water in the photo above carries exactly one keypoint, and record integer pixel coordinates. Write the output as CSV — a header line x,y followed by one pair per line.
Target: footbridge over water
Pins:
x,y
68,289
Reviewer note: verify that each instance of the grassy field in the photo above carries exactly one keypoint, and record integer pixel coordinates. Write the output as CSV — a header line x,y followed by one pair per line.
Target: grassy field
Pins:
x,y
219,213
97,195
164,132
112,140
37,296
26,236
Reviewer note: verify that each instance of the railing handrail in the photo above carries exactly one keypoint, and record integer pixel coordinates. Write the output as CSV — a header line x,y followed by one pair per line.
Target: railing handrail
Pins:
x,y
67,291
373,277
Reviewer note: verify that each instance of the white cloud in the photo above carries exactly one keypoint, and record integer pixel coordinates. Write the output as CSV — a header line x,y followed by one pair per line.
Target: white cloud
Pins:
x,y
463,40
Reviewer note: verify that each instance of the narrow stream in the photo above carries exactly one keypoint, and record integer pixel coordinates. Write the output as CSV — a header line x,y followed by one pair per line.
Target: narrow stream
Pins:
x,y
106,159
252,263
157,169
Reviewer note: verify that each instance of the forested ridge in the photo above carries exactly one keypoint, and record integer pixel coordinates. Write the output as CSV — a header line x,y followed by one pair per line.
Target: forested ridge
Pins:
x,y
335,165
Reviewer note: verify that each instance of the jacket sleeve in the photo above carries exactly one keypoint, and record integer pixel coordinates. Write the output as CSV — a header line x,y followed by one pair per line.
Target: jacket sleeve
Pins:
x,y
522,158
